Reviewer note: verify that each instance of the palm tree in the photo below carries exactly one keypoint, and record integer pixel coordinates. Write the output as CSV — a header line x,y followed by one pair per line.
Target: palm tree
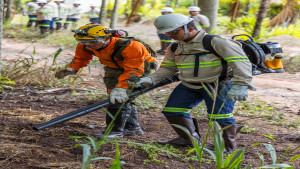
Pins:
x,y
209,8
288,15
260,16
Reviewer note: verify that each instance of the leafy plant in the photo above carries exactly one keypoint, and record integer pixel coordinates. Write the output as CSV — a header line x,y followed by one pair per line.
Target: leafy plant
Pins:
x,y
272,152
6,83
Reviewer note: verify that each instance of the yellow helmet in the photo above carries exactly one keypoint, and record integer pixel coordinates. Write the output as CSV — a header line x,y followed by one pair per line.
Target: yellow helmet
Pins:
x,y
92,32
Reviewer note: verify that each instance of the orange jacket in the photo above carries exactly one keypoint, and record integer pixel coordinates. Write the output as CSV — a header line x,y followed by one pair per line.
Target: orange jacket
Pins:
x,y
133,64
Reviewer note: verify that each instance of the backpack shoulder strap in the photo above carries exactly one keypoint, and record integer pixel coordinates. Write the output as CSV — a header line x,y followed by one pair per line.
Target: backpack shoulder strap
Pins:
x,y
87,50
119,47
206,41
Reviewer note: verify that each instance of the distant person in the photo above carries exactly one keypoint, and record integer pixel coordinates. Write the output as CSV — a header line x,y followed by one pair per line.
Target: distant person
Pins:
x,y
44,16
93,14
201,21
54,7
62,13
74,14
165,41
30,10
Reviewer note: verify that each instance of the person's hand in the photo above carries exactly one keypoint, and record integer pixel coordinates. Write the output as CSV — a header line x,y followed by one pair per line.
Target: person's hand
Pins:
x,y
65,72
153,65
145,81
119,95
238,92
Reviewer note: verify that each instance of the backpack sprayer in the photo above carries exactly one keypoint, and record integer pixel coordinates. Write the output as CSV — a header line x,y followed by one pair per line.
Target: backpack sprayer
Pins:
x,y
262,55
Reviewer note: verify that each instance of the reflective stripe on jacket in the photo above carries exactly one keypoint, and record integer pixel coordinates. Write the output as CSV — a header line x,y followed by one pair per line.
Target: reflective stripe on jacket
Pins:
x,y
94,13
133,63
44,13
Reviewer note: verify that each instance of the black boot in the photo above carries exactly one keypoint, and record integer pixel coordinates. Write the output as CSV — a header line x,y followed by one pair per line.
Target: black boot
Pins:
x,y
132,126
229,135
66,26
183,139
162,49
120,121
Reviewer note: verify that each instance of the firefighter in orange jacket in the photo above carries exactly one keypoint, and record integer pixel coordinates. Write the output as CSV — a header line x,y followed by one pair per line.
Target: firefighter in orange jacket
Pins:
x,y
98,40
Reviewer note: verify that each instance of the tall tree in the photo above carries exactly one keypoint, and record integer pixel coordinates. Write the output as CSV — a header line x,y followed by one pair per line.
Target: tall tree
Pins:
x,y
1,27
169,2
114,17
234,9
134,12
8,10
209,8
102,15
288,15
264,6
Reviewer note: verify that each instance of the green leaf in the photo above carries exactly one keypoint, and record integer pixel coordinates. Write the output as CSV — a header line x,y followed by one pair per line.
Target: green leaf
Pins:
x,y
86,155
256,144
219,144
248,165
93,142
56,54
294,158
261,157
102,158
276,166
272,151
237,156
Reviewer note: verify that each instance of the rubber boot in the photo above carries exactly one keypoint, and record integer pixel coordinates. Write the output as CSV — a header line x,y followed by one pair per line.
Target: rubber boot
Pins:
x,y
120,121
29,24
162,49
66,25
58,26
132,126
229,135
275,64
183,139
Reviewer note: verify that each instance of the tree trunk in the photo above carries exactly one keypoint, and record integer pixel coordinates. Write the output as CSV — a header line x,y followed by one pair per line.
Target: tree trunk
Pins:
x,y
9,10
209,8
176,3
114,17
260,16
194,2
102,15
134,12
1,28
247,7
169,2
234,10
288,15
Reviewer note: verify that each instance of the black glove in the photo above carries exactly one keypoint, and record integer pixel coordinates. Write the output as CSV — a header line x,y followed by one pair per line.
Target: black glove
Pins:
x,y
153,65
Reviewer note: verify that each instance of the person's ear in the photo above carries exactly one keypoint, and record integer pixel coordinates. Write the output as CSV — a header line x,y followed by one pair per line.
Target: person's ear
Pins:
x,y
191,29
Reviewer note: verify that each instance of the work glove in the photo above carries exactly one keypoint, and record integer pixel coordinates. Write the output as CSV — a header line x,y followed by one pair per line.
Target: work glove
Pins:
x,y
238,92
119,95
65,72
153,65
145,81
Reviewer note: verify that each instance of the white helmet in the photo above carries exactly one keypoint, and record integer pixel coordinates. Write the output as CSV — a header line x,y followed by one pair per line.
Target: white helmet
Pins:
x,y
59,0
77,2
93,4
194,8
167,9
41,1
166,23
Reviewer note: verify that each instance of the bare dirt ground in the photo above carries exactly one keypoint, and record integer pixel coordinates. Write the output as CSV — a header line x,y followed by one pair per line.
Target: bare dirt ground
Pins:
x,y
23,108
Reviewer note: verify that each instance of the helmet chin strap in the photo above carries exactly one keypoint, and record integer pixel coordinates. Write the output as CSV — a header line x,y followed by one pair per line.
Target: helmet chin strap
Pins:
x,y
185,32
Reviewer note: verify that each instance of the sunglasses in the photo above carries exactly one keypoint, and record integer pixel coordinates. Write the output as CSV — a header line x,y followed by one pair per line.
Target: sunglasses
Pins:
x,y
174,32
90,42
